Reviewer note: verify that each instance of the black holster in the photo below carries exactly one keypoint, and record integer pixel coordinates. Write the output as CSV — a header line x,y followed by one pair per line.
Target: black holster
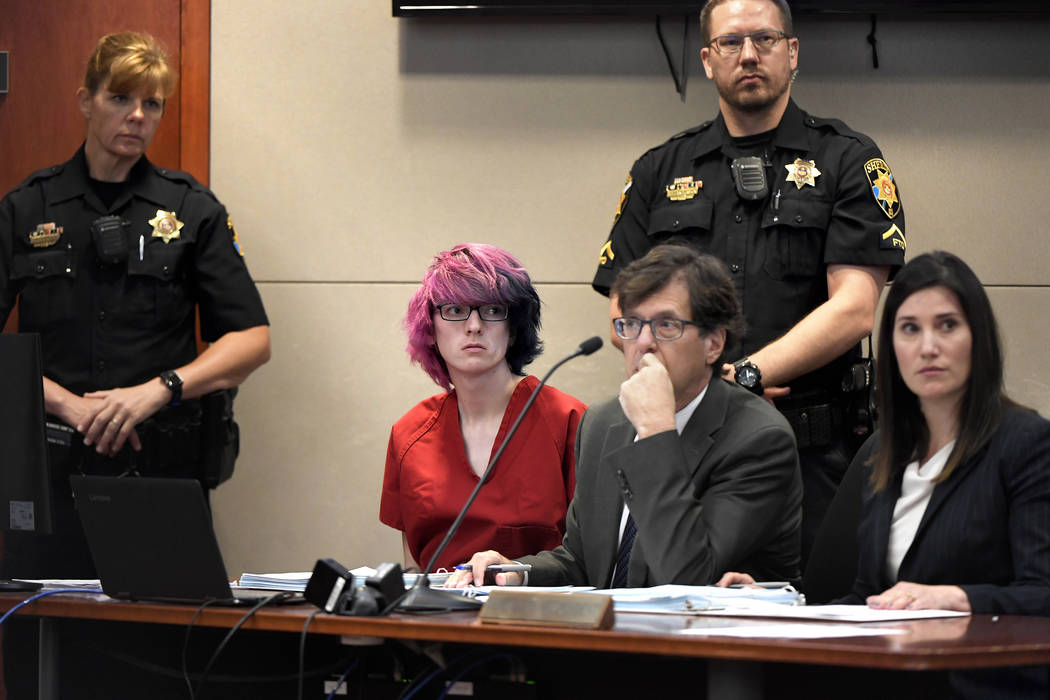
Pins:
x,y
816,422
220,437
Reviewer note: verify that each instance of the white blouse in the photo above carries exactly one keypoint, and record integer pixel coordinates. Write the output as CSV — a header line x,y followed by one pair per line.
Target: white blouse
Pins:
x,y
916,489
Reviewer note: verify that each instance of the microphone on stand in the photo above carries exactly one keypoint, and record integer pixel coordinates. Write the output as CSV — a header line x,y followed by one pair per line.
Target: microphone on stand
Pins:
x,y
421,597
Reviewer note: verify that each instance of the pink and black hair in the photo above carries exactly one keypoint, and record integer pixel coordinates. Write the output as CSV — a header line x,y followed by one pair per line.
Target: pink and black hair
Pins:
x,y
474,273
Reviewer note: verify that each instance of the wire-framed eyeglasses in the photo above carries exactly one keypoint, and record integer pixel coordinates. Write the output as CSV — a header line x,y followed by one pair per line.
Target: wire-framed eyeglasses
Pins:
x,y
665,328
764,40
486,312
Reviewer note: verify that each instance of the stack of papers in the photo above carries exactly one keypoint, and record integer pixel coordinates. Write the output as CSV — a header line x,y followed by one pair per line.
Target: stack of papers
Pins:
x,y
293,581
686,600
51,583
296,580
362,572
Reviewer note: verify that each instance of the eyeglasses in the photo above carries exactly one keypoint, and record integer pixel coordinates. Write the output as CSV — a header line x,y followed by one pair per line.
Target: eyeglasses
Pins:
x,y
486,312
662,328
763,40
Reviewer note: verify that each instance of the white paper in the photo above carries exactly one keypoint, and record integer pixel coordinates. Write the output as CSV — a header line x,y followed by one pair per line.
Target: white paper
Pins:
x,y
830,613
66,582
791,631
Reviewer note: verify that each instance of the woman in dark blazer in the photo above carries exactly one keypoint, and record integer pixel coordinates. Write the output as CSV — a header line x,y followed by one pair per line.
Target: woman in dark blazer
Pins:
x,y
957,512
956,504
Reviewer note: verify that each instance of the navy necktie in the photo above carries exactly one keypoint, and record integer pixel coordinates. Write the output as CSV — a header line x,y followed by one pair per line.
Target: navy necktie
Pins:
x,y
623,554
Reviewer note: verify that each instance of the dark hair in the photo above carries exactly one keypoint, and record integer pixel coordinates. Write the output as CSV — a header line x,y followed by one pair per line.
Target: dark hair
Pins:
x,y
705,17
712,300
474,273
903,432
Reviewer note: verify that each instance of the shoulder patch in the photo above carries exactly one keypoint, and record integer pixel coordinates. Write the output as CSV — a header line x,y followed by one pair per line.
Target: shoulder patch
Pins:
x,y
883,187
623,198
233,233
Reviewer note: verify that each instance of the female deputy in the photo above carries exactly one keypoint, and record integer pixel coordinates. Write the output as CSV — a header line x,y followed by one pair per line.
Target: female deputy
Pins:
x,y
109,255
955,513
472,326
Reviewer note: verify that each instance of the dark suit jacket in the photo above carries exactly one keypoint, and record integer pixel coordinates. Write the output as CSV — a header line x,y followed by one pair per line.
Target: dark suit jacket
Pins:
x,y
724,495
986,528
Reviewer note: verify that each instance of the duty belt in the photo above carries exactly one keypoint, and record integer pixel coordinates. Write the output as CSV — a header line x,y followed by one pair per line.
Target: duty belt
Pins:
x,y
816,422
171,446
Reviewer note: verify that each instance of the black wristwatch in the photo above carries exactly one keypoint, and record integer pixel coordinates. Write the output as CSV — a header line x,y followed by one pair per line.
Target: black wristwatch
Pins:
x,y
748,375
173,381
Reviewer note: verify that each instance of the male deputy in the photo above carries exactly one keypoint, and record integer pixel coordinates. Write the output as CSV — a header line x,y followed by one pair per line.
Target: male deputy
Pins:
x,y
699,474
803,210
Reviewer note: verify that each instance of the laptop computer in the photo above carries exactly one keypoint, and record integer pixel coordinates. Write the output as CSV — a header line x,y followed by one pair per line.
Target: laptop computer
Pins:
x,y
152,539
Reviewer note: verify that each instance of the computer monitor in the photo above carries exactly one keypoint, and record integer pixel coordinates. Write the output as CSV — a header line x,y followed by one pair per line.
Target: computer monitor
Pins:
x,y
25,476
25,480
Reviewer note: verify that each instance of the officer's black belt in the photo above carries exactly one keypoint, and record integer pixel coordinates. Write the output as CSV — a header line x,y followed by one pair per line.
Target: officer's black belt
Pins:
x,y
171,446
816,423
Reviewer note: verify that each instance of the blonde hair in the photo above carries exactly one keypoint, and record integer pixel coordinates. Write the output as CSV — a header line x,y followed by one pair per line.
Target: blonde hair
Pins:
x,y
128,61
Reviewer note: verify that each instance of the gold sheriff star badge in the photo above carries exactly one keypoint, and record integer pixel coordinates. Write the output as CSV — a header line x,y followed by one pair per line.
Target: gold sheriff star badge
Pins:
x,y
165,225
802,172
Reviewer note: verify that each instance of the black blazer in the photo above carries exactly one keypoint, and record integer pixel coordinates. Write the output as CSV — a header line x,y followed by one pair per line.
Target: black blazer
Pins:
x,y
725,495
986,528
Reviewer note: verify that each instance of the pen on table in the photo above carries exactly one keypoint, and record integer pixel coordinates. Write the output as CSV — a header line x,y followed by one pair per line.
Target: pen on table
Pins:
x,y
761,584
142,242
498,568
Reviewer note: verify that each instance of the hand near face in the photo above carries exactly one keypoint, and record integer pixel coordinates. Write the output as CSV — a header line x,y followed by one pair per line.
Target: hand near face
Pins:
x,y
647,397
905,595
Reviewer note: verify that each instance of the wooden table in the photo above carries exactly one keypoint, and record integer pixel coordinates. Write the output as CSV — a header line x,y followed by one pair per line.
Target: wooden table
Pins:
x,y
980,641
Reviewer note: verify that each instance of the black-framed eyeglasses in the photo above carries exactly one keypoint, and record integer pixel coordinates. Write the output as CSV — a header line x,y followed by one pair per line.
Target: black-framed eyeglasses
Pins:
x,y
486,312
666,328
764,40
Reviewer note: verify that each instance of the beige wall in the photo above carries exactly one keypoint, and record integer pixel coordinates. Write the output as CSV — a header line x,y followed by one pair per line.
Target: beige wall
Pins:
x,y
350,146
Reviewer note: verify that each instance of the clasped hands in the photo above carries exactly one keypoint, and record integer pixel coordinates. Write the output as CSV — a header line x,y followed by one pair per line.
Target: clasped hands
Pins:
x,y
107,418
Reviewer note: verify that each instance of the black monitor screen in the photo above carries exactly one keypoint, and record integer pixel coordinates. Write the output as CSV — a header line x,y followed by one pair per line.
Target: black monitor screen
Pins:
x,y
898,8
25,479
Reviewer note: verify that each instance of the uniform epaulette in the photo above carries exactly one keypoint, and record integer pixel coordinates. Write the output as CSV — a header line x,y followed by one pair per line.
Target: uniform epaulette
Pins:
x,y
178,176
680,135
184,178
840,128
42,174
693,130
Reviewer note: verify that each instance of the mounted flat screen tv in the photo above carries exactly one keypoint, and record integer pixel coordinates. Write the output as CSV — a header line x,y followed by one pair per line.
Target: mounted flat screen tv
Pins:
x,y
421,8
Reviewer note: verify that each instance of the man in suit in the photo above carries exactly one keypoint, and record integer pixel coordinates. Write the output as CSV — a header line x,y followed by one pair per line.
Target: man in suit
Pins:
x,y
683,475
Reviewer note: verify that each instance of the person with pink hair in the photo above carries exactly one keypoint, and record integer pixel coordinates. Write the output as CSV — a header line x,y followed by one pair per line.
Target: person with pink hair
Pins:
x,y
473,325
